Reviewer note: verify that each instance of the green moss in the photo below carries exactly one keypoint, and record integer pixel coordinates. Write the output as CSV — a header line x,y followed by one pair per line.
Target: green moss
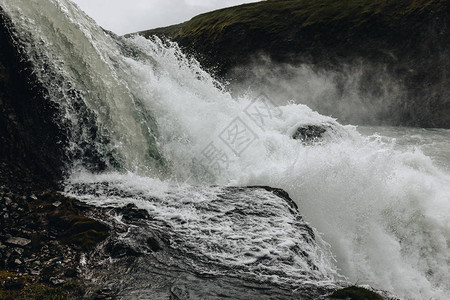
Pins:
x,y
320,31
37,291
5,275
86,239
355,293
70,285
84,232
78,224
72,226
275,16
30,290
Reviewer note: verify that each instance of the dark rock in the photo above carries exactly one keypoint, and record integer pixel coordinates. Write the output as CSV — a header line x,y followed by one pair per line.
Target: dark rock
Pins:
x,y
14,284
355,293
85,232
36,242
309,134
32,141
71,272
119,249
8,201
40,241
57,281
280,193
18,241
153,244
56,204
34,130
132,212
19,251
104,294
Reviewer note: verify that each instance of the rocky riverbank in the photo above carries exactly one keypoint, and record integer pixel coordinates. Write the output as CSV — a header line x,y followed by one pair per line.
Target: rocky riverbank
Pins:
x,y
43,237
55,247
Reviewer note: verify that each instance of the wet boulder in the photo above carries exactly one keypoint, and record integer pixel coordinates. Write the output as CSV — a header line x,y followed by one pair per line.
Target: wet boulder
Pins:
x,y
310,134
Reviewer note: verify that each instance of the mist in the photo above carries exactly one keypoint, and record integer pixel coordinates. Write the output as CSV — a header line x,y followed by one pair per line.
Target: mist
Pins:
x,y
358,93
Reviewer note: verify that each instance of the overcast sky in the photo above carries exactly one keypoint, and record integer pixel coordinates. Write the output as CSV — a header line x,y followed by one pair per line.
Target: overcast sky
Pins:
x,y
126,16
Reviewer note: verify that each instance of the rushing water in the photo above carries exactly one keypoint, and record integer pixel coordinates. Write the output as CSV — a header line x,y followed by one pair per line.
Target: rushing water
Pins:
x,y
378,196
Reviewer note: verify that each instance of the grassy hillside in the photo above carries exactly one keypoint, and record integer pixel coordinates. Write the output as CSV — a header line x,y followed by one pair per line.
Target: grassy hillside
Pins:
x,y
277,16
282,26
409,37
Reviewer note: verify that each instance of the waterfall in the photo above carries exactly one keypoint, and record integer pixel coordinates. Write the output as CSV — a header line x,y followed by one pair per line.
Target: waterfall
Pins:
x,y
160,127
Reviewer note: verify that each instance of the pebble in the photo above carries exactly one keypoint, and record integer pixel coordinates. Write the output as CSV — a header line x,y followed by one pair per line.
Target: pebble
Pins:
x,y
18,241
104,294
18,250
8,201
57,281
57,203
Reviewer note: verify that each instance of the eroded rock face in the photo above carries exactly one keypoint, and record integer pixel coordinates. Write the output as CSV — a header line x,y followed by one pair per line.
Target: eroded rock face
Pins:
x,y
31,141
36,98
126,252
41,245
205,242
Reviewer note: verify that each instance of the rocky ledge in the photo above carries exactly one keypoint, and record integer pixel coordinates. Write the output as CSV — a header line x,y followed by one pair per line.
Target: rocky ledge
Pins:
x,y
43,238
55,247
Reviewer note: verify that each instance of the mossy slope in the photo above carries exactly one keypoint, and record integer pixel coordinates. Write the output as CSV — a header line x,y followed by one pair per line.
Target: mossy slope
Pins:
x,y
67,219
282,26
15,286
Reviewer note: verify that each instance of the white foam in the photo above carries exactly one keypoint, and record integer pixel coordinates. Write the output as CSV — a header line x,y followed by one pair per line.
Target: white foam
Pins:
x,y
383,209
250,230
